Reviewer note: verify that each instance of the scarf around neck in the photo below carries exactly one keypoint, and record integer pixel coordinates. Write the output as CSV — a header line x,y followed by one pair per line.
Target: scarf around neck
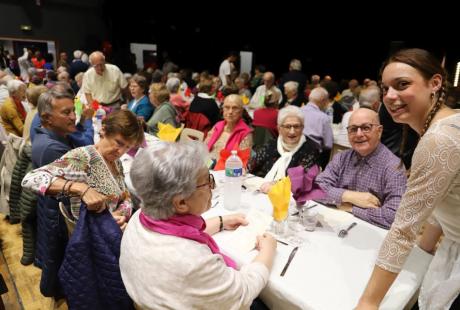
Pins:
x,y
185,226
278,170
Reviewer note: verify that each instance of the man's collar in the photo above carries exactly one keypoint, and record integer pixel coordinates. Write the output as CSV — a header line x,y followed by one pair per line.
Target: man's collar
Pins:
x,y
53,135
372,159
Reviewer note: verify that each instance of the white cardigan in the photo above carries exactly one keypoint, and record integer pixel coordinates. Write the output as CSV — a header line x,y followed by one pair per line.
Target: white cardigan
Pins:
x,y
168,272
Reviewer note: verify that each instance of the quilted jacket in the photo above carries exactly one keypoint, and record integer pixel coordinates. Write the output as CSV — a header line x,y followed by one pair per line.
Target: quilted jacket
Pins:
x,y
90,273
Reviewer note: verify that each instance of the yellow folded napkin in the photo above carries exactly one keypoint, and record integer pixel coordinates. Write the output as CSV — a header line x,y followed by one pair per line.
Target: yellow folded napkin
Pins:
x,y
280,195
166,132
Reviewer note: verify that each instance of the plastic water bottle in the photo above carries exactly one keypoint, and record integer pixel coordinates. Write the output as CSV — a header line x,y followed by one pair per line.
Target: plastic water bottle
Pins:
x,y
233,182
100,114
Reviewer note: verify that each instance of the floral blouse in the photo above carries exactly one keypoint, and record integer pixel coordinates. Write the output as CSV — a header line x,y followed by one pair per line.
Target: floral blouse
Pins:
x,y
84,165
433,189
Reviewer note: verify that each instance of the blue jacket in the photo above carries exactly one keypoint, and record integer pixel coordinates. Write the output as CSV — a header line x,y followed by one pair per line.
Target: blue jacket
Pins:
x,y
82,137
143,108
51,229
90,273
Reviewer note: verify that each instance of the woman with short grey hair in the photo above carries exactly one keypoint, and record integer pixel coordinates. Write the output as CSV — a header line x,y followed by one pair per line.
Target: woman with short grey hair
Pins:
x,y
291,149
168,244
12,112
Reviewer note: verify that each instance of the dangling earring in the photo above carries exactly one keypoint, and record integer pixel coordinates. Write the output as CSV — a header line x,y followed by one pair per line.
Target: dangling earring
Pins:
x,y
433,97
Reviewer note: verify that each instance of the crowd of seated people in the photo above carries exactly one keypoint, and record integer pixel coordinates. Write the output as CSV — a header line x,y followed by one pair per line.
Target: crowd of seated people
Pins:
x,y
368,180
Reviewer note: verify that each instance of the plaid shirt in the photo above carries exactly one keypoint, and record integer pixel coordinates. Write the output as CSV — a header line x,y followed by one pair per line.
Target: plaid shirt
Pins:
x,y
377,173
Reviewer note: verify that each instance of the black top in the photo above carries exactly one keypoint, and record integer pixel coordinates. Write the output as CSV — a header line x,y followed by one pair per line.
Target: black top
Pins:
x,y
268,154
392,136
206,106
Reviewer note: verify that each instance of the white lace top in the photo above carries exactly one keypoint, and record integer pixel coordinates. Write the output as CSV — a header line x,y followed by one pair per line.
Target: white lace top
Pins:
x,y
432,189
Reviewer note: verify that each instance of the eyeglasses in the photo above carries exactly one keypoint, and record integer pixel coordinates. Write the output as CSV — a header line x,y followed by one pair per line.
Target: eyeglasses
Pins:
x,y
211,183
365,128
295,127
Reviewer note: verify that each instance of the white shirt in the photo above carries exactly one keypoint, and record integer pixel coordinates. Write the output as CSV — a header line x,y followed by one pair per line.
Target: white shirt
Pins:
x,y
161,271
224,70
105,88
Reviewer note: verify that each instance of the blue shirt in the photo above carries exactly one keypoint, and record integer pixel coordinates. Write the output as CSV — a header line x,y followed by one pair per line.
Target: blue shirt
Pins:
x,y
317,126
82,137
142,108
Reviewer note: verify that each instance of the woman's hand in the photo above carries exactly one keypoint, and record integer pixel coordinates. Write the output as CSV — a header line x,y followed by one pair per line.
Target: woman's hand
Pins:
x,y
120,219
265,188
233,221
94,200
266,242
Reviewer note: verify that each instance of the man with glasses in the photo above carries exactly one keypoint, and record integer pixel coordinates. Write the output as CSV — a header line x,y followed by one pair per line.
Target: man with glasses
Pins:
x,y
104,82
367,180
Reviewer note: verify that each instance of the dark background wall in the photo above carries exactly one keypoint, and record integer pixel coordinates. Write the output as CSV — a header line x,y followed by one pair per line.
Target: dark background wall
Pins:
x,y
197,39
73,25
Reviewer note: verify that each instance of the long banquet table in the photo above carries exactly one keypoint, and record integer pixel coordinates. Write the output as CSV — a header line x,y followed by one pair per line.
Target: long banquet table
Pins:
x,y
327,272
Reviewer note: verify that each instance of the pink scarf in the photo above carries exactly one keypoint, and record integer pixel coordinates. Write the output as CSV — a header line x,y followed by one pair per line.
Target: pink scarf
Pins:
x,y
185,226
240,131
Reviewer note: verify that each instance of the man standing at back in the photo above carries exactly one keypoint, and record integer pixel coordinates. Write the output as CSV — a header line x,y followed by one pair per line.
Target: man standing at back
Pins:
x,y
226,67
317,123
104,82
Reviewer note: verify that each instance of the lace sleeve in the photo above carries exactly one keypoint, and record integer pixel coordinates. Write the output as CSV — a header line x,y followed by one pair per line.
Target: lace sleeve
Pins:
x,y
435,164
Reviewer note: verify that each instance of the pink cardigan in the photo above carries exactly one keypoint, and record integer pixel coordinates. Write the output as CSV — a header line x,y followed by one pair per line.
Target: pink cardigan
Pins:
x,y
240,131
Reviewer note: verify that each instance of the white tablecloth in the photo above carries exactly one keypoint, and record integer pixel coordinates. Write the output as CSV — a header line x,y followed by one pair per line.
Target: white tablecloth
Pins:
x,y
327,272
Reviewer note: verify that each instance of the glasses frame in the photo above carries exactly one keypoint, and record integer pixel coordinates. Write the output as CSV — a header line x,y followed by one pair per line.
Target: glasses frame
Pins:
x,y
372,125
211,183
289,127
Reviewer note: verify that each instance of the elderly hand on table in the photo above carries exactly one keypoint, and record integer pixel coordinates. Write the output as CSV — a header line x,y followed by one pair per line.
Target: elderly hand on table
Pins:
x,y
361,199
233,221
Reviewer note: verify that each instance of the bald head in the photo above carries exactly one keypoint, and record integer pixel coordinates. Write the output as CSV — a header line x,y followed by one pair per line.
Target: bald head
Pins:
x,y
97,60
364,131
269,79
365,114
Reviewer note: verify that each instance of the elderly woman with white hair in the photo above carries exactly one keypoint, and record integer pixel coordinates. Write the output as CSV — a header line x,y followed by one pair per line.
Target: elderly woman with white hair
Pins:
x,y
291,149
168,257
232,133
12,112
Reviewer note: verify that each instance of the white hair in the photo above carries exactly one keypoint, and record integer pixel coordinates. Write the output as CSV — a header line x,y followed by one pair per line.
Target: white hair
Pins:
x,y
14,85
164,170
96,54
290,110
291,85
318,94
369,96
77,54
85,58
295,65
173,84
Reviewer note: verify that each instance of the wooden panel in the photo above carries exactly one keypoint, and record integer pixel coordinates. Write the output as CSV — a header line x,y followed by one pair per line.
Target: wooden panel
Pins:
x,y
25,278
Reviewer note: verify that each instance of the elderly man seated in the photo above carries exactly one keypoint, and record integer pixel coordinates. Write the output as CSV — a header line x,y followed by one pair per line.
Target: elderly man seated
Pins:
x,y
367,180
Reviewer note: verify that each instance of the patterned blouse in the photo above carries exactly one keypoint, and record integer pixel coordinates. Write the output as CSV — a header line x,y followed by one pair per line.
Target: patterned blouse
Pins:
x,y
84,165
266,156
432,189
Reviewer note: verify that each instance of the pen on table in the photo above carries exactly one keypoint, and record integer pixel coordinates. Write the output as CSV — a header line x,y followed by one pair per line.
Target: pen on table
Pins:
x,y
215,204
